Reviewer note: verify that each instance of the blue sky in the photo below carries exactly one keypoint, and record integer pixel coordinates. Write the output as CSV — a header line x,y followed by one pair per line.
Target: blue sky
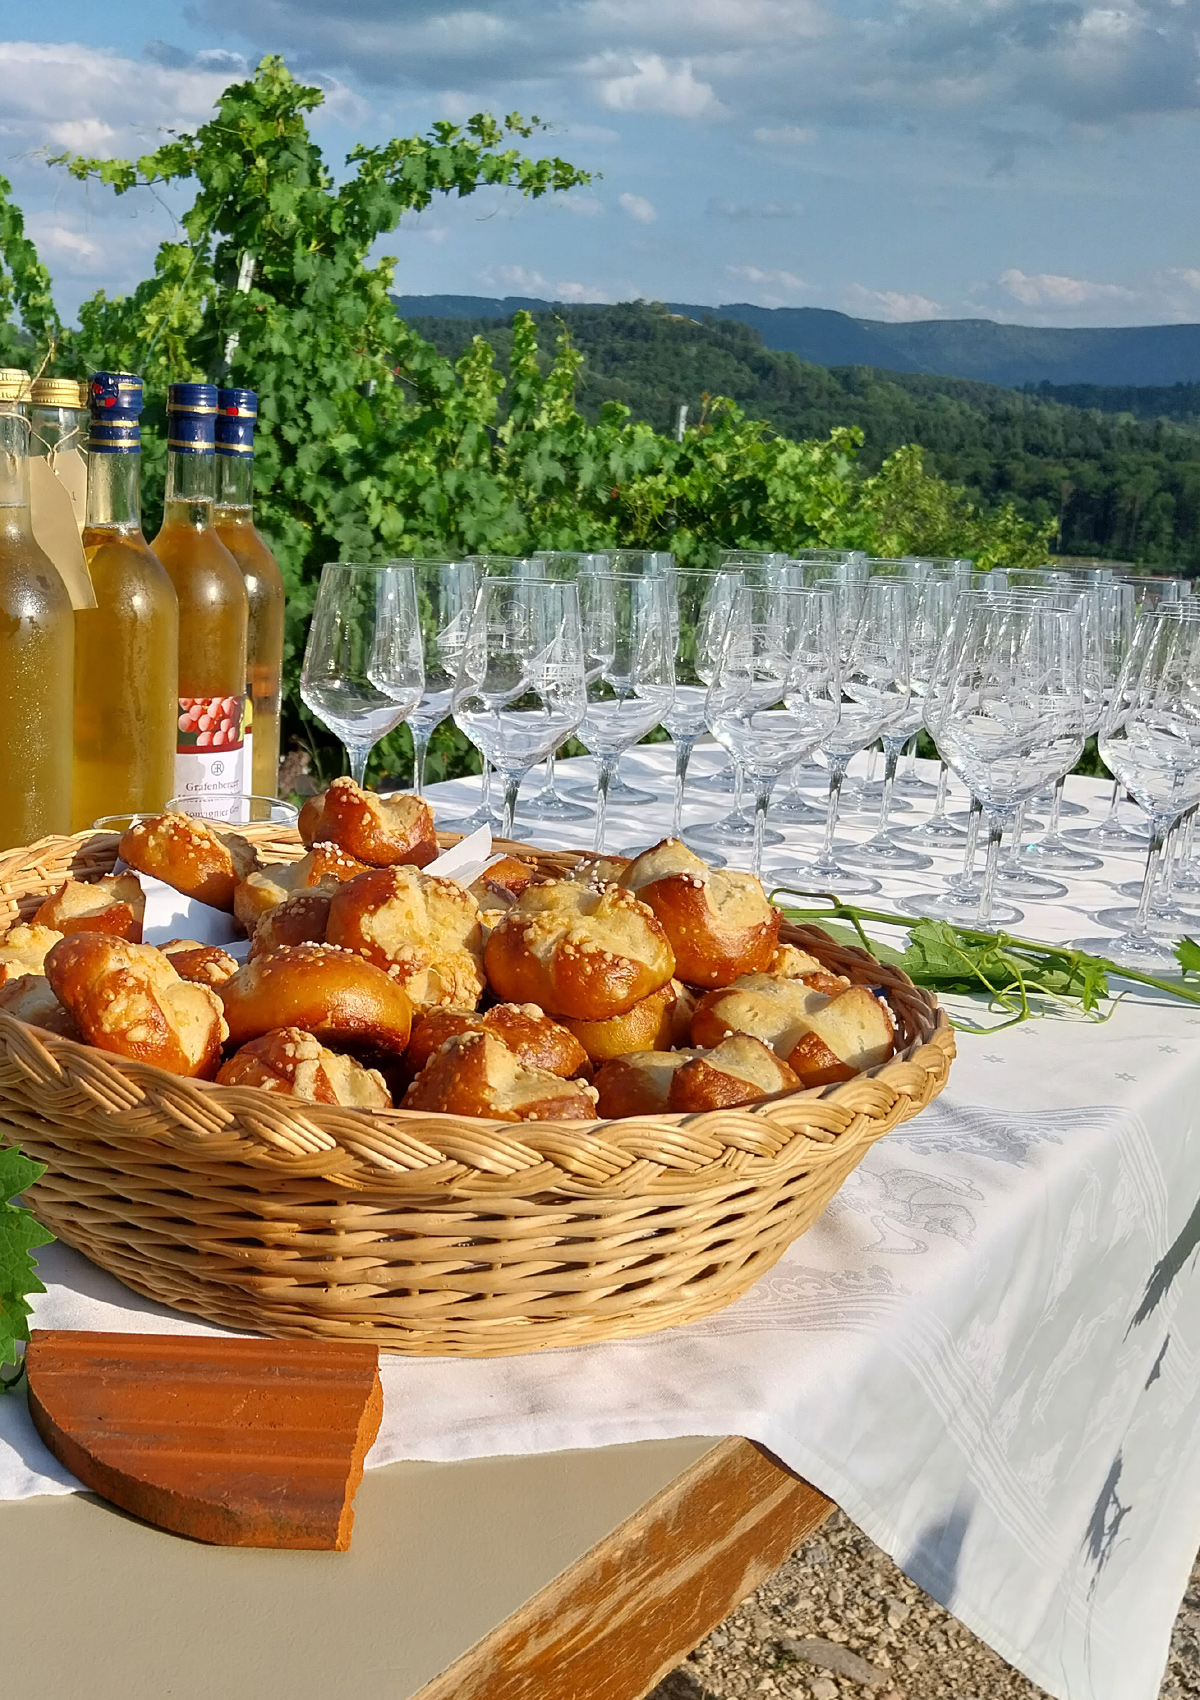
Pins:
x,y
1035,161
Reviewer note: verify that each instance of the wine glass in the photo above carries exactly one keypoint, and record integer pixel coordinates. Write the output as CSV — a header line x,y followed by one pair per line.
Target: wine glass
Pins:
x,y
1006,698
701,600
491,566
445,598
775,692
629,668
549,804
520,691
1150,739
363,671
875,691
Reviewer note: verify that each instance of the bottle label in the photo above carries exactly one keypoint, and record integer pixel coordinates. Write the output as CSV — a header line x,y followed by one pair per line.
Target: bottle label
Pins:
x,y
210,753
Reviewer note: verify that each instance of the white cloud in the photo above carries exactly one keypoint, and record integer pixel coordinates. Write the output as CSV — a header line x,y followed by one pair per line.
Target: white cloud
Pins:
x,y
890,304
1051,289
516,277
655,86
639,208
581,292
767,275
785,136
57,240
583,206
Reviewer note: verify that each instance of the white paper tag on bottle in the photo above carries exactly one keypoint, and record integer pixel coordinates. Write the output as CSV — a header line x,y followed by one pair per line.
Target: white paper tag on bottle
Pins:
x,y
52,516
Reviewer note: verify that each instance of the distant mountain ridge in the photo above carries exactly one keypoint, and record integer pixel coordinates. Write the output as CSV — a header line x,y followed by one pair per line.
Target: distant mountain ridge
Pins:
x,y
992,353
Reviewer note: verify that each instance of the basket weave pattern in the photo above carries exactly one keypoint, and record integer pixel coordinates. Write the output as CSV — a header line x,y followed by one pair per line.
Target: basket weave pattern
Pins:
x,y
431,1234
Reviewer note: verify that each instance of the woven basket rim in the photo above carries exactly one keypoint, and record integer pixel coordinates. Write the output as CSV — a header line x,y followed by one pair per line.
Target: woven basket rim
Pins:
x,y
408,1151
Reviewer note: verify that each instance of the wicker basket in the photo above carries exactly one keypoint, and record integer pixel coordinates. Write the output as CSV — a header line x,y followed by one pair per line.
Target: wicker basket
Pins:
x,y
431,1234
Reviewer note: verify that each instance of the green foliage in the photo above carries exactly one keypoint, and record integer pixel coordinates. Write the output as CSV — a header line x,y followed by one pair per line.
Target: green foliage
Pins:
x,y
19,1235
372,444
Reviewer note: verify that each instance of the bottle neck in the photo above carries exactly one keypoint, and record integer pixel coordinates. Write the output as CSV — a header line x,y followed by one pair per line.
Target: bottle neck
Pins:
x,y
114,494
14,466
235,483
55,430
191,487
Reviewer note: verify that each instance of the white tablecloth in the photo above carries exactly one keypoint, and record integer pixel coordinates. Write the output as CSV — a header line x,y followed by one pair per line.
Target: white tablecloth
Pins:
x,y
986,1351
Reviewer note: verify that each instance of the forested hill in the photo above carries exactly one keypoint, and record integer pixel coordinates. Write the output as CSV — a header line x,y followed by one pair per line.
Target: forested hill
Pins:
x,y
961,348
1180,402
1118,487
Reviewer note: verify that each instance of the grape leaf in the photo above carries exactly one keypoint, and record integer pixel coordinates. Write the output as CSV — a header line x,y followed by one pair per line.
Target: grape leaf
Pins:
x,y
1188,952
19,1234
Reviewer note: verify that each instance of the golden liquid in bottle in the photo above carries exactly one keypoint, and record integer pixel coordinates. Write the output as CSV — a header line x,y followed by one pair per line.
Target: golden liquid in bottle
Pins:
x,y
264,645
37,636
126,651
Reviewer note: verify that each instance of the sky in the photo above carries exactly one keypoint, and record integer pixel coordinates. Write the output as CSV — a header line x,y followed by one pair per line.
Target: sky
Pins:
x,y
1031,161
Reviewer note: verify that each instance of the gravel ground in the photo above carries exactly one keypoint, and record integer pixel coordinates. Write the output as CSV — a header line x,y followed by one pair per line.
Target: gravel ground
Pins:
x,y
840,1620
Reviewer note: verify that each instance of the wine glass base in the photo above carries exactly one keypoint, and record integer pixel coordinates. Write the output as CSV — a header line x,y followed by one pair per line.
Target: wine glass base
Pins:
x,y
1166,921
935,834
1145,954
792,809
870,796
1109,840
961,908
915,787
1058,858
842,882
1035,888
732,834
472,823
626,796
549,805
722,780
883,854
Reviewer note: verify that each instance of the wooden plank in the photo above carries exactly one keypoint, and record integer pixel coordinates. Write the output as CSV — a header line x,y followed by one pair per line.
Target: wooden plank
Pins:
x,y
617,1621
256,1443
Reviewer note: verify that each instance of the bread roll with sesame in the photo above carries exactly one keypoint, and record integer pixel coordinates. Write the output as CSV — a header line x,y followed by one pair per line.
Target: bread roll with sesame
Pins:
x,y
718,920
115,904
342,1000
191,855
474,1074
529,1034
293,1064
383,832
129,1000
324,867
581,951
423,930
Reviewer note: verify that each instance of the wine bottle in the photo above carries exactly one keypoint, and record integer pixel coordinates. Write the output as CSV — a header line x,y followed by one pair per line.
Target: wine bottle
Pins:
x,y
37,648
213,609
237,414
127,646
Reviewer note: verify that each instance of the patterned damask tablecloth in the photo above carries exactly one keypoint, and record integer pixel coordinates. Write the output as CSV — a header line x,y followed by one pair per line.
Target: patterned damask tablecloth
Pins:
x,y
986,1351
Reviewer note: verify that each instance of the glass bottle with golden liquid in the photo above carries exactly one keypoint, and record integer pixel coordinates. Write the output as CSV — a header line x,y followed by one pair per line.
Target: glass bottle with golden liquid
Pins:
x,y
213,610
126,647
37,649
237,414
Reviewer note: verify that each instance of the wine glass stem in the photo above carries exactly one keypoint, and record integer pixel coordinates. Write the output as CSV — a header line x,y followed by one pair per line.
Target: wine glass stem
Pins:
x,y
891,761
1114,806
420,751
973,819
910,751
1056,807
359,755
606,767
837,772
683,755
987,896
737,786
763,786
939,802
512,785
1158,833
485,788
548,787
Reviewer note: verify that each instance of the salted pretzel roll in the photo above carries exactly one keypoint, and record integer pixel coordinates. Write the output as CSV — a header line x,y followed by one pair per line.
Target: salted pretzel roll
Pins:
x,y
23,950
474,1074
718,920
293,1064
191,855
423,930
336,996
324,867
529,1034
31,998
115,904
128,999
383,832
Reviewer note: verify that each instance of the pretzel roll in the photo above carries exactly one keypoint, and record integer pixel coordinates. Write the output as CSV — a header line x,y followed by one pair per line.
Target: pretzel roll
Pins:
x,y
581,951
324,867
191,855
302,918
777,1011
740,1070
23,950
293,1064
115,904
638,1085
499,886
31,999
205,964
129,1000
600,870
424,930
383,832
791,963
649,1026
529,1034
332,994
474,1074
852,1032
718,920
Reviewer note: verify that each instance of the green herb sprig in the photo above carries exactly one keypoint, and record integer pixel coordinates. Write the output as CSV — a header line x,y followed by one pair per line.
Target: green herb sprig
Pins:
x,y
19,1234
1020,976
